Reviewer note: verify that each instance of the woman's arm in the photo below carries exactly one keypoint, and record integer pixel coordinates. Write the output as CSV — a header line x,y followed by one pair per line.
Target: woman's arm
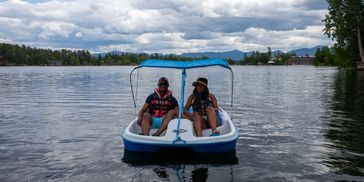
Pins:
x,y
214,101
187,106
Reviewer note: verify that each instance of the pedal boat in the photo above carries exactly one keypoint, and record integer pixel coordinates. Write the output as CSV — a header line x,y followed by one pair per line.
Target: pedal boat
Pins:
x,y
180,134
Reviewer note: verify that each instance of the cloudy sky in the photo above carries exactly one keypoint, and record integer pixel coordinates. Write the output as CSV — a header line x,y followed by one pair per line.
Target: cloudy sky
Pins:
x,y
164,26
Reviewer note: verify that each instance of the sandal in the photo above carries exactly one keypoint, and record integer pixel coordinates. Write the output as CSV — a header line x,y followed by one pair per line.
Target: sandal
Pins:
x,y
215,133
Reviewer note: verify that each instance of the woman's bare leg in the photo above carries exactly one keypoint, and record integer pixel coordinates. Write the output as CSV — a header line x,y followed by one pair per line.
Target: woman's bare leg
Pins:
x,y
198,124
212,118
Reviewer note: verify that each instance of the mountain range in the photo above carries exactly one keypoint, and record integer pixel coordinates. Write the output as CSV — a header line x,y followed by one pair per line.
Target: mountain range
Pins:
x,y
238,55
234,54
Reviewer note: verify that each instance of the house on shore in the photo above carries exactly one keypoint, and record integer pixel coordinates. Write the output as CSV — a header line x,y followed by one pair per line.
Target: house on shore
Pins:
x,y
272,61
54,63
359,66
301,60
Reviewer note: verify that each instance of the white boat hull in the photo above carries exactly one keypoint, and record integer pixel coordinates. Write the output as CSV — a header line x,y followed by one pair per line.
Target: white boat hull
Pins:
x,y
187,139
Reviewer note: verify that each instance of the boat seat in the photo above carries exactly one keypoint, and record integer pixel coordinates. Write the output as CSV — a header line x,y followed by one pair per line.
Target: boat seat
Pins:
x,y
186,129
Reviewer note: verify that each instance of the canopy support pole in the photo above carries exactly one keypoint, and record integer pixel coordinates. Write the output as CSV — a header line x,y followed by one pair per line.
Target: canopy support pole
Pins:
x,y
232,88
181,107
131,85
232,92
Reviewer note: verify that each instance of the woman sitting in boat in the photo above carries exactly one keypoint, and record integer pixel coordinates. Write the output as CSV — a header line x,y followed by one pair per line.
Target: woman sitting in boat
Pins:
x,y
204,105
158,110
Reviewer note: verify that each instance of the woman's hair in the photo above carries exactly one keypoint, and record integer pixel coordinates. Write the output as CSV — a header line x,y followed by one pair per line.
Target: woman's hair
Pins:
x,y
204,95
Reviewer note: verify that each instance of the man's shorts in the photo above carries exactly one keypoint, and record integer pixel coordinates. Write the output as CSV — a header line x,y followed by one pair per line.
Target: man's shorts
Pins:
x,y
156,122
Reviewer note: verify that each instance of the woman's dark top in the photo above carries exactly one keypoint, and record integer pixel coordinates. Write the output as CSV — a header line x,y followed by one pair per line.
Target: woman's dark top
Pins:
x,y
200,104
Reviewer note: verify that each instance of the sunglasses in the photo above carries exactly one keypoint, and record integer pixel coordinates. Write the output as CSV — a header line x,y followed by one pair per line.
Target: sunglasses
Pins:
x,y
200,85
163,84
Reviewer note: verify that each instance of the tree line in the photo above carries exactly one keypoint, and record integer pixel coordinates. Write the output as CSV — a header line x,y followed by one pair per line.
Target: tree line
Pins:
x,y
324,56
257,58
24,55
15,55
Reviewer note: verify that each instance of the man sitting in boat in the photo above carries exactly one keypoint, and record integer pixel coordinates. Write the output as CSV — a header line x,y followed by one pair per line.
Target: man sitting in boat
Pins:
x,y
158,110
204,105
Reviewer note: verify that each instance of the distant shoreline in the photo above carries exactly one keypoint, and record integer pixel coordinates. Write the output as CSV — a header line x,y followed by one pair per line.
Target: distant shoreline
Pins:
x,y
137,65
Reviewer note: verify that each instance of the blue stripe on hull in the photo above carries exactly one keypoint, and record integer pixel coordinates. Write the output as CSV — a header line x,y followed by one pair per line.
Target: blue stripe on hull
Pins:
x,y
219,147
202,148
133,146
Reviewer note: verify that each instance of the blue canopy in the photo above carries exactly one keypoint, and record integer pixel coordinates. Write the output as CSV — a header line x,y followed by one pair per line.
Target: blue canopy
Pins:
x,y
184,64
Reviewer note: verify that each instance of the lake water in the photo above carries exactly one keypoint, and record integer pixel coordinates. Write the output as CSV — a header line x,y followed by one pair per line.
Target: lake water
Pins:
x,y
296,123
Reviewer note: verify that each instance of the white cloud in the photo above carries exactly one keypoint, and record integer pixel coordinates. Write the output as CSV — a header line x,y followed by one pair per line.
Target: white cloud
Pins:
x,y
56,29
285,40
163,25
78,34
6,40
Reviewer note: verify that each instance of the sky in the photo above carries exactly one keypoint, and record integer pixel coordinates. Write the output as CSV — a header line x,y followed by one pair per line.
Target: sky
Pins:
x,y
164,26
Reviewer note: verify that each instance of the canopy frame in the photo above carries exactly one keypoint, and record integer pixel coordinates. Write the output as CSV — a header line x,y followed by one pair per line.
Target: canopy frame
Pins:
x,y
153,63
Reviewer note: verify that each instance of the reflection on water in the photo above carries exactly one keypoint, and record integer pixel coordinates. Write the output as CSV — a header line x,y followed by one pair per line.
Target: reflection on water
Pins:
x,y
200,174
345,120
161,172
175,156
174,161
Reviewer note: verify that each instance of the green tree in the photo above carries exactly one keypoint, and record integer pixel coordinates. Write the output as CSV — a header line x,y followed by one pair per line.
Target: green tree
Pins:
x,y
20,56
257,58
230,61
345,24
324,57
